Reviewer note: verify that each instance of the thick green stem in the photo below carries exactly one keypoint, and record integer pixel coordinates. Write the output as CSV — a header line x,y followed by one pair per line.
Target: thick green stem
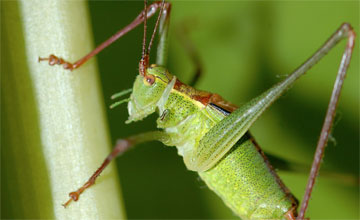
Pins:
x,y
53,125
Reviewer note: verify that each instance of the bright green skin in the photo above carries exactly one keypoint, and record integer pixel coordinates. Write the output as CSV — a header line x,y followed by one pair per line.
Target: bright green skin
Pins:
x,y
246,185
239,175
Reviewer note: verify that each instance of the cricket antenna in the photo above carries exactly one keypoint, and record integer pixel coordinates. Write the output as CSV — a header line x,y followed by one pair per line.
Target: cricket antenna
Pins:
x,y
156,25
144,62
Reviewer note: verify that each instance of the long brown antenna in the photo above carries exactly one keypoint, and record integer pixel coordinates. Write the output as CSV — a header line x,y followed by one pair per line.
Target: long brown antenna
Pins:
x,y
156,25
145,27
144,61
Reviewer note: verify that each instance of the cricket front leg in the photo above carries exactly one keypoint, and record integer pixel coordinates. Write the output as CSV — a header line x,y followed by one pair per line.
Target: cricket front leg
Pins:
x,y
162,47
191,50
220,139
55,60
121,146
182,34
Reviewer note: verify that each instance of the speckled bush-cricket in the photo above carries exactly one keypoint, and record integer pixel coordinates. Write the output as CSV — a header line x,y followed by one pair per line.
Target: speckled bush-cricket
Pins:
x,y
212,143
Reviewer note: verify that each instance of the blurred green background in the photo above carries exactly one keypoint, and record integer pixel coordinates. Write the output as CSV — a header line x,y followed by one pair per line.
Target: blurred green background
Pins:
x,y
245,47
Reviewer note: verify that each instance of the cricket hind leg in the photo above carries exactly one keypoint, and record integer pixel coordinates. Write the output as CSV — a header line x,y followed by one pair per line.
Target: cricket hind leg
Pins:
x,y
220,138
122,145
55,60
345,31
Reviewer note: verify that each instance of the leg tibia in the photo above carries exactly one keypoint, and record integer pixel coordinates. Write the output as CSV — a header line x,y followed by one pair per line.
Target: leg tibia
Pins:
x,y
151,9
121,146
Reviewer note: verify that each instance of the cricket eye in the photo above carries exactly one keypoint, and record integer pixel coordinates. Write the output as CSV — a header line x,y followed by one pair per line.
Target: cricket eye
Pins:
x,y
149,79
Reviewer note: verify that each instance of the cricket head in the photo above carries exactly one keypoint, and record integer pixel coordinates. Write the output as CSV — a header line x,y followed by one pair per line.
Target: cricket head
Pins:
x,y
150,91
153,85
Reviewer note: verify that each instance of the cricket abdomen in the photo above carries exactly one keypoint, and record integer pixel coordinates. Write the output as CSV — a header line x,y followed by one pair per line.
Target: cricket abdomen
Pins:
x,y
247,185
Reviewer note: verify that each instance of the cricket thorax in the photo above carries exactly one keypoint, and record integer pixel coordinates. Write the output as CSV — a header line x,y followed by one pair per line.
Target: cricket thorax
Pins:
x,y
185,113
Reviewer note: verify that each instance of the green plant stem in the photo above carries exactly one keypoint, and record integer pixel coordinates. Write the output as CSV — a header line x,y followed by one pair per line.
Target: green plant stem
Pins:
x,y
53,125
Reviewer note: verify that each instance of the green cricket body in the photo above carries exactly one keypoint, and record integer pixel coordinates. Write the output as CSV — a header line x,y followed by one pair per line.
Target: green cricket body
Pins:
x,y
242,176
210,133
